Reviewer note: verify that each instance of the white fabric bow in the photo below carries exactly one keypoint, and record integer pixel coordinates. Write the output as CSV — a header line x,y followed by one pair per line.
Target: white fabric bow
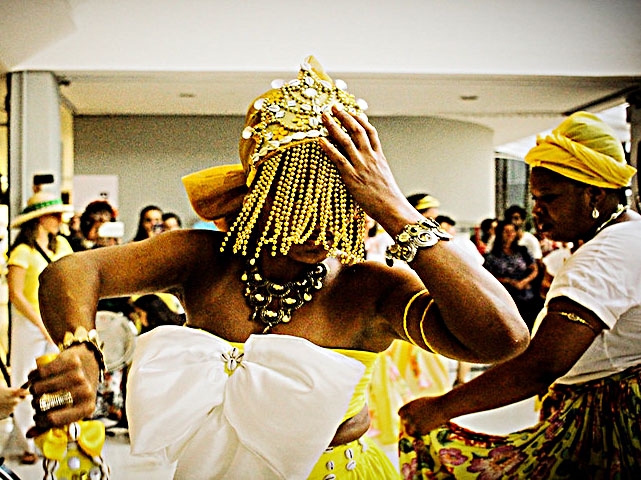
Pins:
x,y
271,417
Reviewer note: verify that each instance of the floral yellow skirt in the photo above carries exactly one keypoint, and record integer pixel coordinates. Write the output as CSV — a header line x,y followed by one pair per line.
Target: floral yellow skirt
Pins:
x,y
586,431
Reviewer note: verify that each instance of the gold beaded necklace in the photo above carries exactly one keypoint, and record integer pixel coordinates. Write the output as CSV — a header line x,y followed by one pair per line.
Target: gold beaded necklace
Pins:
x,y
274,303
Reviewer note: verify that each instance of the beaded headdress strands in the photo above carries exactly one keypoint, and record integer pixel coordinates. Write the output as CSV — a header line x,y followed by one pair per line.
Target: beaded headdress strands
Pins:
x,y
308,198
285,191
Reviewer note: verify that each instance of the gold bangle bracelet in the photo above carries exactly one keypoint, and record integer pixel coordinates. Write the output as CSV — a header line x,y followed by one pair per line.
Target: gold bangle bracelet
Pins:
x,y
427,344
407,309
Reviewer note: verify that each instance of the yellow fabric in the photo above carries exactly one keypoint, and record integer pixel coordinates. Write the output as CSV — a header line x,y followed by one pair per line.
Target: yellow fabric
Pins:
x,y
359,398
34,263
217,191
43,360
426,202
402,373
357,460
53,443
583,148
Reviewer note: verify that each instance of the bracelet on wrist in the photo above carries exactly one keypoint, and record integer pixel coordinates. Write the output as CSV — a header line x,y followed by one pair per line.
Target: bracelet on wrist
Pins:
x,y
423,234
90,339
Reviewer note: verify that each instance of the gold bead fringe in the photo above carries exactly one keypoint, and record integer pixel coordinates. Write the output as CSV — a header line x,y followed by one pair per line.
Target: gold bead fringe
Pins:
x,y
308,198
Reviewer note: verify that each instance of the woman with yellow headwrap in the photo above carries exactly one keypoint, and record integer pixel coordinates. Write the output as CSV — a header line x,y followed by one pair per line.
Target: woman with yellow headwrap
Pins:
x,y
284,318
586,350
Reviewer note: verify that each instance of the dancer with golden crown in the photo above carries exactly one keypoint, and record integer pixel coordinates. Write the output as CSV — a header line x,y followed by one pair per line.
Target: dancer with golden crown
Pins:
x,y
269,377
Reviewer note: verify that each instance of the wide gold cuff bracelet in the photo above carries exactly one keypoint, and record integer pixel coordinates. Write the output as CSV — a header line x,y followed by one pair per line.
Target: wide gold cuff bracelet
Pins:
x,y
423,234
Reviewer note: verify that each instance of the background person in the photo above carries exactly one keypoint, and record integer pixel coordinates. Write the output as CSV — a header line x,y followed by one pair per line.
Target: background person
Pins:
x,y
37,243
512,265
586,351
153,310
149,223
426,204
516,215
94,216
298,225
484,234
171,221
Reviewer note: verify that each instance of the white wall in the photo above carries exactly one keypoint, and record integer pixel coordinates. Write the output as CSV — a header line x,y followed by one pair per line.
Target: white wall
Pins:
x,y
543,37
451,160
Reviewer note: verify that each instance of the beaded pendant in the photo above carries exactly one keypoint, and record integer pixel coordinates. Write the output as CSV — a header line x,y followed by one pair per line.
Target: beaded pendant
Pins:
x,y
274,303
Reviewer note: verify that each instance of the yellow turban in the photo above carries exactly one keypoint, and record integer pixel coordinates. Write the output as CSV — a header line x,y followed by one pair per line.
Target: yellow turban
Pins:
x,y
583,148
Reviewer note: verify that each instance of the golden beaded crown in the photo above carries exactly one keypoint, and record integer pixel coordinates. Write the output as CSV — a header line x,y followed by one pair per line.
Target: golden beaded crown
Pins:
x,y
283,160
291,112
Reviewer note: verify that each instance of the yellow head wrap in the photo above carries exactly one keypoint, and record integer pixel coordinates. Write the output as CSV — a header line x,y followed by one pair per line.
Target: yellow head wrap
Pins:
x,y
583,148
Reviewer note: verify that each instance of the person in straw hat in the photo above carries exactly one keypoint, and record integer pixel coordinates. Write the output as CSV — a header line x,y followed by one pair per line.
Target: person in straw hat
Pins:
x,y
285,317
425,203
585,355
37,243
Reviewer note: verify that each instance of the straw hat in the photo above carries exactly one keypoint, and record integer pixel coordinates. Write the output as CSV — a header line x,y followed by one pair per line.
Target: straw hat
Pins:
x,y
427,202
42,203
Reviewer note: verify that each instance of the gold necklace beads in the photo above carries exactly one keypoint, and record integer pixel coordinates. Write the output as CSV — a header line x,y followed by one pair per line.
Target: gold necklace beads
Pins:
x,y
274,303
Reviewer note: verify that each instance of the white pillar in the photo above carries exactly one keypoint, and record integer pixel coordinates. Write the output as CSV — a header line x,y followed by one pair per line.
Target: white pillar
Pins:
x,y
34,135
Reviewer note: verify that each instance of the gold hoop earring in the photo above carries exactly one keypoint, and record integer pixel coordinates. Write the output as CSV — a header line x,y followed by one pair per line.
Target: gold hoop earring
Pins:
x,y
595,213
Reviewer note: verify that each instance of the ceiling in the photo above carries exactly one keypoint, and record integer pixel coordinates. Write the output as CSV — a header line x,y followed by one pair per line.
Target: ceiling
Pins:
x,y
514,66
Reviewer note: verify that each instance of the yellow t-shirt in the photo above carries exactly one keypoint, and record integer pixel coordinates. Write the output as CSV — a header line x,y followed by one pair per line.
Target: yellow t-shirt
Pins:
x,y
34,263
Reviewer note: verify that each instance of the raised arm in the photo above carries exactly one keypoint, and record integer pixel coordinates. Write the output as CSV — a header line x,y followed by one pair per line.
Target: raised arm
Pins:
x,y
71,287
69,292
473,318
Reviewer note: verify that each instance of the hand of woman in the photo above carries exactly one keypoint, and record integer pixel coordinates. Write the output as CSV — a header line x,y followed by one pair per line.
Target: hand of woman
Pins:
x,y
74,376
359,157
422,415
